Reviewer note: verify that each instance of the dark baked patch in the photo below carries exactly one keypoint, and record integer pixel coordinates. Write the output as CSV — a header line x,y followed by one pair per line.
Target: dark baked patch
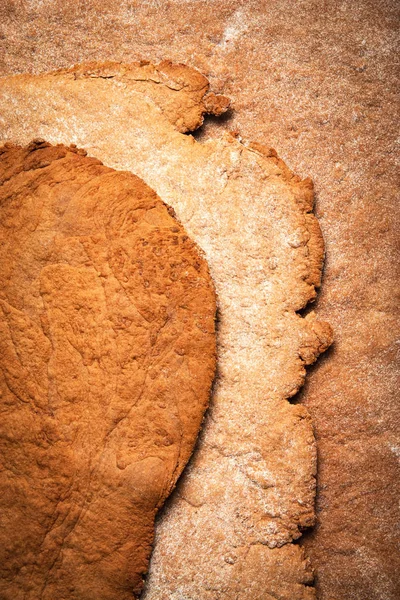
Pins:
x,y
107,358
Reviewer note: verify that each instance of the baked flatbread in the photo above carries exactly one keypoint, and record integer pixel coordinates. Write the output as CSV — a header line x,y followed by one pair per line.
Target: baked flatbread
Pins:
x,y
250,489
107,358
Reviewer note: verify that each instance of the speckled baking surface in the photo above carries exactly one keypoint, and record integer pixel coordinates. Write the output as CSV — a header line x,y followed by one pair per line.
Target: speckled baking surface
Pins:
x,y
316,81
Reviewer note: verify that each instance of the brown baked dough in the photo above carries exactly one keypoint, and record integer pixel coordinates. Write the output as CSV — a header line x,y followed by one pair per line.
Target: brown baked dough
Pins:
x,y
249,490
107,358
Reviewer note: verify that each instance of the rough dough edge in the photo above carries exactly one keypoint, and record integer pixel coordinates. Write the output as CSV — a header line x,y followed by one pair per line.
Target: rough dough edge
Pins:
x,y
303,190
175,76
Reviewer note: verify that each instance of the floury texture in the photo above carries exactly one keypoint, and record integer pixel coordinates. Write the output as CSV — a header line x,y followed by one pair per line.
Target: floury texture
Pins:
x,y
107,355
250,489
318,81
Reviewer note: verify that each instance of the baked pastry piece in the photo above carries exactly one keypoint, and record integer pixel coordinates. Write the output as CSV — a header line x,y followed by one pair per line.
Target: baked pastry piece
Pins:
x,y
250,489
107,359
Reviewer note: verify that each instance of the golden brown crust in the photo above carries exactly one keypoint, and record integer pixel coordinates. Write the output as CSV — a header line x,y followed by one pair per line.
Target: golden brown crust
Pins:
x,y
107,359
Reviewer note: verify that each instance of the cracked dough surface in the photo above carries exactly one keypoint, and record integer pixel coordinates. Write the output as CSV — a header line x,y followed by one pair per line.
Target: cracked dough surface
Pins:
x,y
250,489
107,358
